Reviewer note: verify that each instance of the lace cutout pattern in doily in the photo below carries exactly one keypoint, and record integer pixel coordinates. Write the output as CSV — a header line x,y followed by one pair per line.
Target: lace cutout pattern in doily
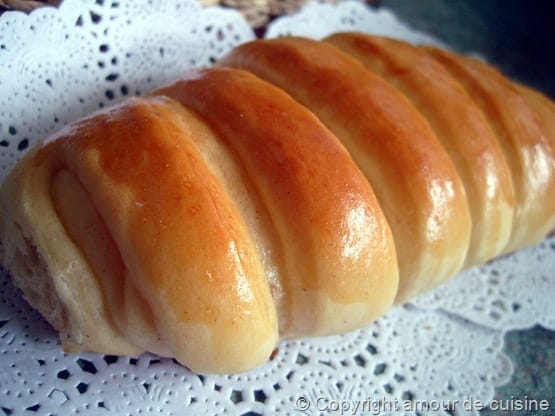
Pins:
x,y
513,292
59,64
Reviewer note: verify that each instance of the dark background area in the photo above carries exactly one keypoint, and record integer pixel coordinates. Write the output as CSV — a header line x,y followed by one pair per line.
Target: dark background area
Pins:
x,y
518,36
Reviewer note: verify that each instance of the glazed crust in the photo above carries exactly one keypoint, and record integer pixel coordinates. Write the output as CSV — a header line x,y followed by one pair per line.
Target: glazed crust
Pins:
x,y
200,240
459,124
184,279
544,108
523,139
334,248
414,179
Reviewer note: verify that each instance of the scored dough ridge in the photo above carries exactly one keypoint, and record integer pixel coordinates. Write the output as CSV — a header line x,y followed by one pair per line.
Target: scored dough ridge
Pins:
x,y
283,146
525,144
459,124
414,179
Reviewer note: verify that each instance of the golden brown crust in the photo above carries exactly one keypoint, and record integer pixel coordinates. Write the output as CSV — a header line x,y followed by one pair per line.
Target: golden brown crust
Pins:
x,y
544,108
191,274
522,137
52,272
460,126
338,267
158,251
414,179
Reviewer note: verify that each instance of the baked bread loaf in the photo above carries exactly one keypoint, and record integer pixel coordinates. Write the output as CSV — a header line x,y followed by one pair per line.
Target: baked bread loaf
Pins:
x,y
298,188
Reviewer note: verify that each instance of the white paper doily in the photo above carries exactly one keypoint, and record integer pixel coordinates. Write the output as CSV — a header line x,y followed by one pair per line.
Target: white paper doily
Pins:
x,y
442,354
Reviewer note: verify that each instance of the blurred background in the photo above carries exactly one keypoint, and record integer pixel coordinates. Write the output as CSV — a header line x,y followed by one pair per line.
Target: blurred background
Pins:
x,y
517,36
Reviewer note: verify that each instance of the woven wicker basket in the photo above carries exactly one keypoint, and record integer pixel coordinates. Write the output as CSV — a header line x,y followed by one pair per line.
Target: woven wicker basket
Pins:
x,y
257,12
26,5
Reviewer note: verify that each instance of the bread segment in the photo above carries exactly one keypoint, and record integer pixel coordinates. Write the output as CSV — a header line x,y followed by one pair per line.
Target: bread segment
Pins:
x,y
415,181
51,270
544,108
459,124
191,274
339,267
523,139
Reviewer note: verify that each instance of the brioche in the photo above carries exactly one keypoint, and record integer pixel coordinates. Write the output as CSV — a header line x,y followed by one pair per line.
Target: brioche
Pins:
x,y
298,188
